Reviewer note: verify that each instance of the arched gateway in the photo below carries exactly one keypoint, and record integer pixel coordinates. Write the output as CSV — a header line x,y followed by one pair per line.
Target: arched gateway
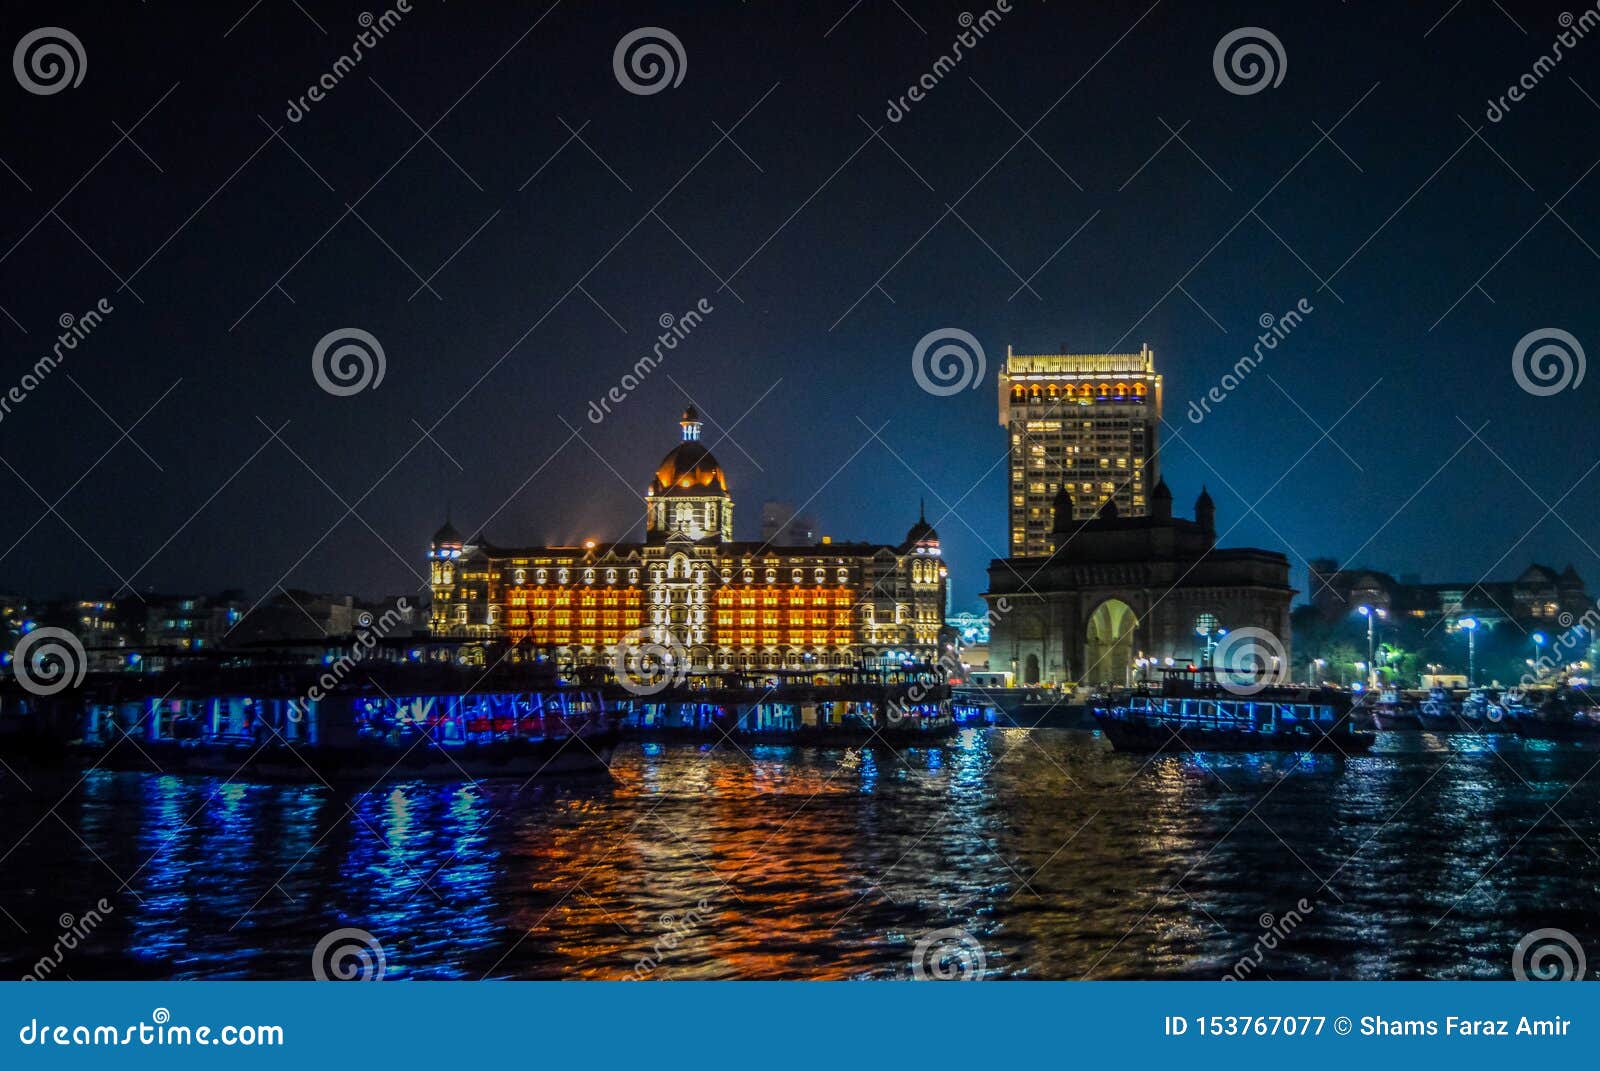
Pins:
x,y
1108,643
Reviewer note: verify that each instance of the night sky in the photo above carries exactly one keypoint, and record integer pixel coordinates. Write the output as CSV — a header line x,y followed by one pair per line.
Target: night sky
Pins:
x,y
551,271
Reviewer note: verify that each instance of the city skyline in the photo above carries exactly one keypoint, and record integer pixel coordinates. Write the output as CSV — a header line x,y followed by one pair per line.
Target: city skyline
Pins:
x,y
806,212
799,491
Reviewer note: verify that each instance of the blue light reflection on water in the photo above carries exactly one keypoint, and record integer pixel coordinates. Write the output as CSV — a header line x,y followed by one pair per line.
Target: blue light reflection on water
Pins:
x,y
1428,858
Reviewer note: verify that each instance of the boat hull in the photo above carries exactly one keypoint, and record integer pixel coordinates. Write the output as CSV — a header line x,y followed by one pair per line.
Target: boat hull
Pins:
x,y
1534,728
1146,737
815,735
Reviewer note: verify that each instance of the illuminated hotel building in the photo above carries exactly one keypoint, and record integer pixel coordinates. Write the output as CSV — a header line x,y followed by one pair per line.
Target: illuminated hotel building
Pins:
x,y
691,587
1084,423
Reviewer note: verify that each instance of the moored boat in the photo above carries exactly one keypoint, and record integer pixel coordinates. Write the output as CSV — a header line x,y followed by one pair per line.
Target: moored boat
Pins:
x,y
1562,717
1194,712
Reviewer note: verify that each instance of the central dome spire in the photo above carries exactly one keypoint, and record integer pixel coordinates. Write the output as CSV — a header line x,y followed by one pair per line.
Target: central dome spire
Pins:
x,y
690,490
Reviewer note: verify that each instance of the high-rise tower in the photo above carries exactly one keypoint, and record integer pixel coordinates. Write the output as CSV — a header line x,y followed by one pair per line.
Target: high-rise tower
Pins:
x,y
1086,424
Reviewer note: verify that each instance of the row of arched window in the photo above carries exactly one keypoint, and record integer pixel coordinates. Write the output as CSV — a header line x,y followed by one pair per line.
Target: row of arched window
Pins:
x,y
1079,390
564,576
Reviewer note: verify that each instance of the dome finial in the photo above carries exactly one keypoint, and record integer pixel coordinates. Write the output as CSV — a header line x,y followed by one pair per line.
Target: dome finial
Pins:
x,y
690,424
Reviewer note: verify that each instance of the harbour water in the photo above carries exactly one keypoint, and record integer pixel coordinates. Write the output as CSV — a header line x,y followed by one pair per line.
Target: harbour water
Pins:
x,y
1429,858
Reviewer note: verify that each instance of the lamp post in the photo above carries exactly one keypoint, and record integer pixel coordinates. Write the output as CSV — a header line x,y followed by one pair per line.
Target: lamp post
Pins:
x,y
1538,652
1471,625
1211,635
1316,670
1371,613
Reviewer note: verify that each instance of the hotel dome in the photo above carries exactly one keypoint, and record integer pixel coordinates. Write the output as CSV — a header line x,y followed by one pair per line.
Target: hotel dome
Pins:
x,y
690,469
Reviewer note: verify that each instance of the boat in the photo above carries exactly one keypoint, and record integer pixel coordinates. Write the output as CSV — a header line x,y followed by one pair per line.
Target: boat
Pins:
x,y
1489,711
1562,717
362,723
1391,711
1056,710
1194,710
1034,707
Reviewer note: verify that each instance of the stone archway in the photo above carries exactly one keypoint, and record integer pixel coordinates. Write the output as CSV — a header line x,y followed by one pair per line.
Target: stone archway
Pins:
x,y
1108,643
1030,670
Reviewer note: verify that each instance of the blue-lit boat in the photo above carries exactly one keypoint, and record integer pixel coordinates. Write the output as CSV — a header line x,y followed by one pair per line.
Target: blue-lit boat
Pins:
x,y
1194,711
360,723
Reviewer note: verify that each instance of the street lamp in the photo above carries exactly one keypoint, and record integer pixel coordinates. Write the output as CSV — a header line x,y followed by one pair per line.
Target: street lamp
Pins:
x,y
1207,630
1471,625
1371,613
1316,670
1538,650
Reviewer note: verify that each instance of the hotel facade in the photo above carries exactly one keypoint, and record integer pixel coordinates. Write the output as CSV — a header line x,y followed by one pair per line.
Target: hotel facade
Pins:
x,y
1082,423
689,587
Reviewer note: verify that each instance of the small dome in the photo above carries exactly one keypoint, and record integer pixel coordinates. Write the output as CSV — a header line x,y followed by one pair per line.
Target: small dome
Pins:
x,y
690,469
447,536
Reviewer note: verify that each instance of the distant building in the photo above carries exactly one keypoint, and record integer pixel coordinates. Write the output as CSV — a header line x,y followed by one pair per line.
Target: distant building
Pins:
x,y
1084,423
782,527
13,612
1539,597
969,633
971,628
191,622
1119,593
691,588
302,616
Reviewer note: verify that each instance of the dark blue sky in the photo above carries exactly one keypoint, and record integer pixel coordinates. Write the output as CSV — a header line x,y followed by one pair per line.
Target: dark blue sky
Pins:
x,y
521,336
